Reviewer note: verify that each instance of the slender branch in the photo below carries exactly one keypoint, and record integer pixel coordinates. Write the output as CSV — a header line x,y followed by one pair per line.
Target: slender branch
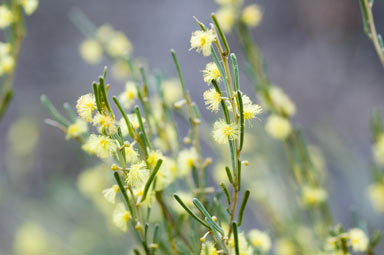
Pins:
x,y
367,8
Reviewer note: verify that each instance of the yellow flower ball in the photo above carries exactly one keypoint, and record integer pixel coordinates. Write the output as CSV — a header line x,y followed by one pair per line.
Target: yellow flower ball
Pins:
x,y
76,129
252,15
121,217
30,6
376,195
212,100
91,51
85,106
222,132
281,102
278,127
202,41
226,17
358,240
313,196
378,150
260,239
6,17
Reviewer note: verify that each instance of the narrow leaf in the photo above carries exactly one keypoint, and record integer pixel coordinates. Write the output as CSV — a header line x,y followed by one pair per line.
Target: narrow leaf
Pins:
x,y
150,179
243,205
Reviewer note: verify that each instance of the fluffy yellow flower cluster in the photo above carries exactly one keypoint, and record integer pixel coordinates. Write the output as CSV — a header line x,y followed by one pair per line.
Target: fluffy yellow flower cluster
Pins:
x,y
129,95
222,131
212,99
378,150
76,129
376,195
230,13
313,196
7,17
202,41
106,40
250,110
100,145
121,217
85,106
208,248
29,6
356,238
211,73
244,247
172,91
281,102
7,61
278,124
260,240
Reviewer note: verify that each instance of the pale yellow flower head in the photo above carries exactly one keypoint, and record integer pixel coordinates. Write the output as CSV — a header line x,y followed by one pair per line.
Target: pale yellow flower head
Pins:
x,y
212,99
285,247
172,91
378,150
278,127
133,120
6,16
281,102
244,248
358,240
260,239
85,106
208,248
250,109
222,132
252,15
376,195
127,98
331,243
91,51
5,49
121,217
211,72
149,199
153,157
202,41
76,129
137,175
101,146
131,155
118,45
110,194
7,64
105,123
104,33
313,196
186,159
226,17
30,6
